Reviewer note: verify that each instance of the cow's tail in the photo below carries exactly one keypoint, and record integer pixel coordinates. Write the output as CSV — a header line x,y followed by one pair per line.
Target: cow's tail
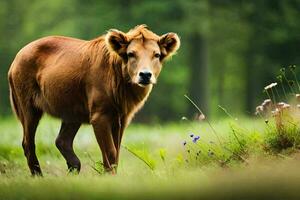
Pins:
x,y
13,97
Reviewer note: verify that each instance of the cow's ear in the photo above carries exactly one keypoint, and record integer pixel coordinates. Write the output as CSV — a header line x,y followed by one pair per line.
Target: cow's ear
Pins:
x,y
169,43
117,41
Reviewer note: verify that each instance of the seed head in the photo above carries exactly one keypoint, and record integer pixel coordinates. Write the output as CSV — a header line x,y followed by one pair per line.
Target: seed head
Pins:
x,y
279,77
292,67
282,70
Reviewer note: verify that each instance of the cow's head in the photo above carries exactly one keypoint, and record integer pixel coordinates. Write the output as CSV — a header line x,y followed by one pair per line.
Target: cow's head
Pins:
x,y
142,52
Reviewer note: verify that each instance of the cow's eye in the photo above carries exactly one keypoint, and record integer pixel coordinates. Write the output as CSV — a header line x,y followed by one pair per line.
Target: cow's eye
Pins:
x,y
157,55
130,55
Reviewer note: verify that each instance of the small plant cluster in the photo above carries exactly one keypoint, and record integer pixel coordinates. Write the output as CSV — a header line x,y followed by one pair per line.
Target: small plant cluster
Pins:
x,y
286,116
222,151
232,148
282,122
196,150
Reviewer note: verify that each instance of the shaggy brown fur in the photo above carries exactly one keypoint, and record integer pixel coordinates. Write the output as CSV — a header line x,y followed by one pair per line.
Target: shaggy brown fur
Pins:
x,y
103,82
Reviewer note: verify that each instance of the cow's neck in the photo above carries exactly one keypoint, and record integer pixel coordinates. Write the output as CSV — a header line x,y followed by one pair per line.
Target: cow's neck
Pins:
x,y
129,97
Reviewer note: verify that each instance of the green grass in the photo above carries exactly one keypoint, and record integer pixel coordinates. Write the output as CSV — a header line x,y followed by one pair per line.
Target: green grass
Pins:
x,y
157,164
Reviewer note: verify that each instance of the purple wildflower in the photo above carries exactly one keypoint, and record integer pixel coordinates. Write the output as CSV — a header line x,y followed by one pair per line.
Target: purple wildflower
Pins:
x,y
196,138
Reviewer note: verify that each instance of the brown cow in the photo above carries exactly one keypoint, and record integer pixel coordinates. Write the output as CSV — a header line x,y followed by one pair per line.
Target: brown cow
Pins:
x,y
103,82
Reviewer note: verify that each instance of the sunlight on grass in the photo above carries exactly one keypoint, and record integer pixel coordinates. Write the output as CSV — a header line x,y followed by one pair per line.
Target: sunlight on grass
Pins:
x,y
172,161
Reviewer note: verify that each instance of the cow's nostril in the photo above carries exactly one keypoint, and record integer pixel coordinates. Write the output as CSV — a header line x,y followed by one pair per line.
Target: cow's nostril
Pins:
x,y
145,75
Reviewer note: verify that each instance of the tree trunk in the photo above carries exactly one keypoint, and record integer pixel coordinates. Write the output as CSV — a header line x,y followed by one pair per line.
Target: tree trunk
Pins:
x,y
198,82
252,83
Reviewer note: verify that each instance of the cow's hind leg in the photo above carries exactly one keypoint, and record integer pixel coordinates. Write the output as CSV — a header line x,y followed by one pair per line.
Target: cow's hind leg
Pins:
x,y
30,122
64,143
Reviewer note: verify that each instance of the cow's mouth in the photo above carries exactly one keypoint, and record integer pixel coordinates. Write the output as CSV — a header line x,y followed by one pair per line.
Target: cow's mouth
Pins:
x,y
144,82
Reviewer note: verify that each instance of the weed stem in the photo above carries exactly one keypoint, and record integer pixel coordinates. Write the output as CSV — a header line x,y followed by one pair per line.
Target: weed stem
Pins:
x,y
194,104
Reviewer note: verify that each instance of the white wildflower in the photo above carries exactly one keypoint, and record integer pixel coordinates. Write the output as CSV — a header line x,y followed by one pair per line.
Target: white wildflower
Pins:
x,y
184,118
280,104
286,106
201,117
275,112
266,103
259,109
270,86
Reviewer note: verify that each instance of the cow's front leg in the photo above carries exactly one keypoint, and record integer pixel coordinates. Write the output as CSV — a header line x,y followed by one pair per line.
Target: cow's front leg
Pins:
x,y
118,130
102,128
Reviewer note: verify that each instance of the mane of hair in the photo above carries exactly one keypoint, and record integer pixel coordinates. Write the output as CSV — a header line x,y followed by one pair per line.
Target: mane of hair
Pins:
x,y
141,32
100,53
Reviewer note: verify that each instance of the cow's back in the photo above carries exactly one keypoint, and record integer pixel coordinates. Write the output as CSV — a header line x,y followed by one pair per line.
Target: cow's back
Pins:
x,y
50,73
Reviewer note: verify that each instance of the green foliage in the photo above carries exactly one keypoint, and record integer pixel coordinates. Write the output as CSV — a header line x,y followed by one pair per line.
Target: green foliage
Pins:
x,y
283,132
143,155
283,137
162,154
235,167
245,44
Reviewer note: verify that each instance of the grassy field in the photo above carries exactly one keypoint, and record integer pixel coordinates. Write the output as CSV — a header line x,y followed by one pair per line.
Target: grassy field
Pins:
x,y
229,160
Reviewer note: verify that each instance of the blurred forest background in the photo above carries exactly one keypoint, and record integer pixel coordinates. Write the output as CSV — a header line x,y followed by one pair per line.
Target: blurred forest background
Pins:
x,y
230,49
